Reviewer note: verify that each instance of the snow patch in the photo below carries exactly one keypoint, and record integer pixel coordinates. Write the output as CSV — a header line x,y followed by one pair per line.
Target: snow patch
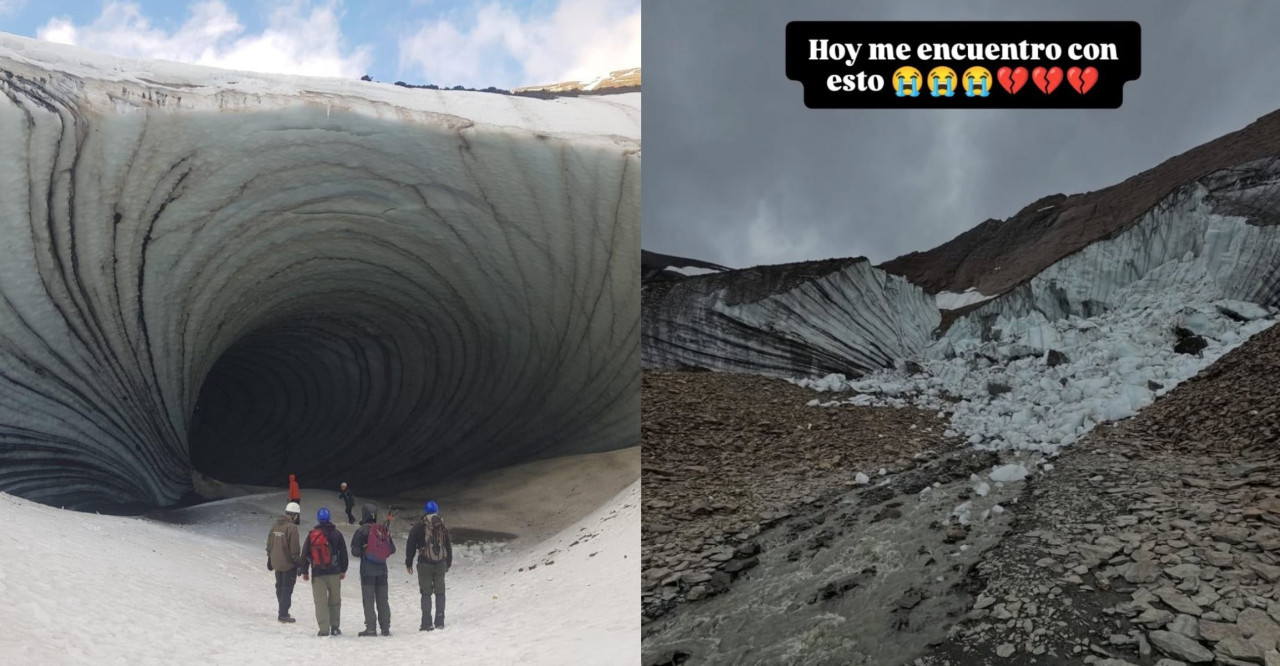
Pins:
x,y
690,271
948,300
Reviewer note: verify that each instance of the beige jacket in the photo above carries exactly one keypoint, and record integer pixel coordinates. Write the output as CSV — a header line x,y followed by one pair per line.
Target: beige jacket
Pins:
x,y
283,548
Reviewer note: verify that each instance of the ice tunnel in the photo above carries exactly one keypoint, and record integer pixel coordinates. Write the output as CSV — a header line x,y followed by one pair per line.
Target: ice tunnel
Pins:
x,y
247,276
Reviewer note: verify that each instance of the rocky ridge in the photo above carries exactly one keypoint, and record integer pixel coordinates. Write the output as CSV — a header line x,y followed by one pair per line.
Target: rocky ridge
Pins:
x,y
1058,225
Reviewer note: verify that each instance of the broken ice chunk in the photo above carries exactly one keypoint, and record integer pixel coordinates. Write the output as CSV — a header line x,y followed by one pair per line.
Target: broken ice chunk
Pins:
x,y
1008,473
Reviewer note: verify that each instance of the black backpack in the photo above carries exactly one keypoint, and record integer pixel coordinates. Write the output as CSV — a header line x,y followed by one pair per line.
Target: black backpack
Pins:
x,y
432,550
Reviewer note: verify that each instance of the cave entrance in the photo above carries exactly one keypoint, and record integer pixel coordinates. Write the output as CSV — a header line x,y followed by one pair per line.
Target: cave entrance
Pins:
x,y
328,398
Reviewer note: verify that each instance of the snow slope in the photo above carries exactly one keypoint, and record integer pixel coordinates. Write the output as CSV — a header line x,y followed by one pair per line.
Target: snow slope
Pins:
x,y
246,273
85,588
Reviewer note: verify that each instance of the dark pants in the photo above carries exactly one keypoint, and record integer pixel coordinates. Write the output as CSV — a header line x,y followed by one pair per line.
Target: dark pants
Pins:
x,y
285,581
431,581
351,520
373,591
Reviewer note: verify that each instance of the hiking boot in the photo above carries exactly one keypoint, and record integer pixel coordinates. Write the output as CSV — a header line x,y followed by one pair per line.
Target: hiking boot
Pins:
x,y
335,632
426,627
440,622
322,633
368,632
386,632
287,618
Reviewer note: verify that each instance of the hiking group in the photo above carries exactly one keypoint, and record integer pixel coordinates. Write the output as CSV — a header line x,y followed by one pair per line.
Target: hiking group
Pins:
x,y
322,558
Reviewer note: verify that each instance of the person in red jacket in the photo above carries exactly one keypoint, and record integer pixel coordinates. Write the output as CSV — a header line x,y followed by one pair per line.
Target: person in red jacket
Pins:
x,y
294,494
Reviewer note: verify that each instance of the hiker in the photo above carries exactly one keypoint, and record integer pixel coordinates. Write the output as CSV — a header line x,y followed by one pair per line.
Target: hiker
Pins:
x,y
373,545
326,555
295,495
347,497
284,557
430,540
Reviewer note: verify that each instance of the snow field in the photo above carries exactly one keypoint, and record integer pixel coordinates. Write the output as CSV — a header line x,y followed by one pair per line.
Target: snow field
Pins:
x,y
86,588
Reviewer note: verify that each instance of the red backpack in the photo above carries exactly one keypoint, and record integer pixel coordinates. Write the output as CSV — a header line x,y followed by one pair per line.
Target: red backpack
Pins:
x,y
379,546
318,545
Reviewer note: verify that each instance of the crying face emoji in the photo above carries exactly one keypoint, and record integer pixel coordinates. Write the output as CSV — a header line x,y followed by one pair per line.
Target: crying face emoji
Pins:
x,y
942,81
907,80
977,82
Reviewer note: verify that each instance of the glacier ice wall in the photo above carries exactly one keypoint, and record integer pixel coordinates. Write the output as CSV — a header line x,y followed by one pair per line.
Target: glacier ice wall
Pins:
x,y
1206,259
1218,236
252,276
840,316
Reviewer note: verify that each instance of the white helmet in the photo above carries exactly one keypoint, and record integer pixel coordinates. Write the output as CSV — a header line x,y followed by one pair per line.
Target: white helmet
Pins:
x,y
292,507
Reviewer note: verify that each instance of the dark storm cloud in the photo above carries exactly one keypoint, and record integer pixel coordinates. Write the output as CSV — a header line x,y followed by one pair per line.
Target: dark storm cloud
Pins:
x,y
739,172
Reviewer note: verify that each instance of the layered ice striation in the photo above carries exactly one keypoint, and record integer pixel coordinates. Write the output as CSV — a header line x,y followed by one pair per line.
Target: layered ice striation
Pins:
x,y
814,318
1092,338
252,275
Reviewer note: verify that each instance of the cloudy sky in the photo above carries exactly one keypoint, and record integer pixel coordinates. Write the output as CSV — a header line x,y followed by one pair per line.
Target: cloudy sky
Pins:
x,y
739,172
504,43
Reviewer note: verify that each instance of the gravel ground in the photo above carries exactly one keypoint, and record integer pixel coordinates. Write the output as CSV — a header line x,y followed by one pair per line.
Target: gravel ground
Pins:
x,y
1153,541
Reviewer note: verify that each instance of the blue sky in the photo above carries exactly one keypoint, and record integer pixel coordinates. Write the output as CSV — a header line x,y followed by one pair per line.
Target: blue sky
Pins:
x,y
506,43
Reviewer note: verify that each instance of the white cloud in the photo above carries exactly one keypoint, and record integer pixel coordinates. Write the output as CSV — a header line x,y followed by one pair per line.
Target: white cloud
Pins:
x,y
770,240
580,40
300,38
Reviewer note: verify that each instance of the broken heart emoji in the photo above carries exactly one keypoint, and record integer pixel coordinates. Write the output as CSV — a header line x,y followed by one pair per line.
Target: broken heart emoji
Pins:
x,y
1082,80
1012,80
1047,80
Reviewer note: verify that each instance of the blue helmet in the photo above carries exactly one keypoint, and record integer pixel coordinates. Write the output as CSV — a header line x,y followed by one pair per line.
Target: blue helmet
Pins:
x,y
431,508
323,515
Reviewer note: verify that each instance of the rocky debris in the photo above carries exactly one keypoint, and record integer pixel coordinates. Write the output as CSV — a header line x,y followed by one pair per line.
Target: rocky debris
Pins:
x,y
1155,540
1177,645
998,388
1230,407
726,457
1192,344
955,533
845,579
1055,358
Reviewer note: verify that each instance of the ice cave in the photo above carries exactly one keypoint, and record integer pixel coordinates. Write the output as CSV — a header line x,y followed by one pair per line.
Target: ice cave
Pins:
x,y
243,276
